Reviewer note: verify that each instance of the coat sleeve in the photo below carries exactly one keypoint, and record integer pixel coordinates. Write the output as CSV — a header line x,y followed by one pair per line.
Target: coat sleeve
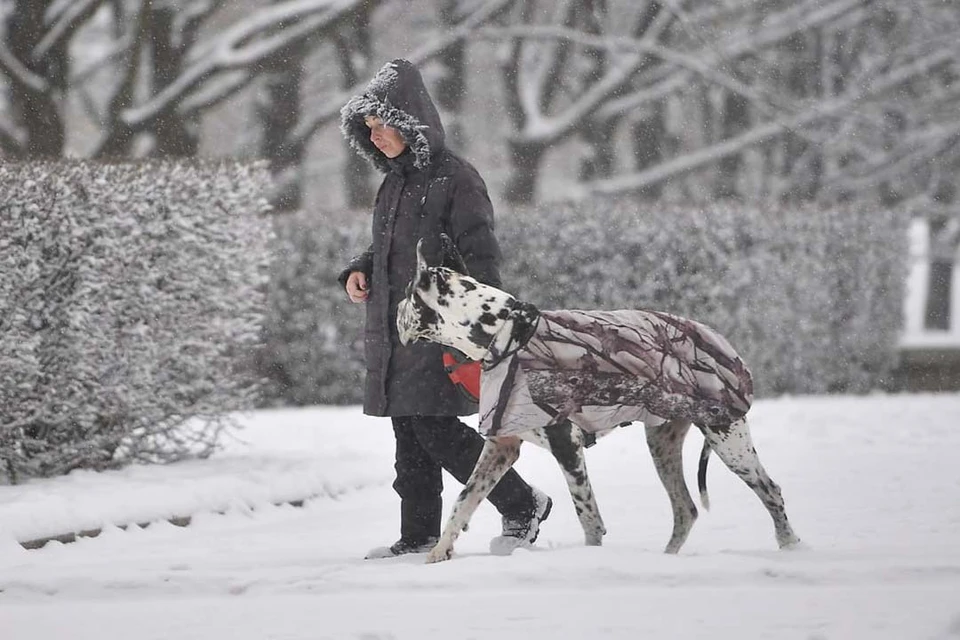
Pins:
x,y
362,262
472,227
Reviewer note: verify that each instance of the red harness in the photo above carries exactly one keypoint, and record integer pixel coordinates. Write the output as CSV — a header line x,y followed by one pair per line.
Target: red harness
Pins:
x,y
464,373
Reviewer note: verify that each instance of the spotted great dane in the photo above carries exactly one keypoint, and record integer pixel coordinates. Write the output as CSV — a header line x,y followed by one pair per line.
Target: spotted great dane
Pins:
x,y
560,379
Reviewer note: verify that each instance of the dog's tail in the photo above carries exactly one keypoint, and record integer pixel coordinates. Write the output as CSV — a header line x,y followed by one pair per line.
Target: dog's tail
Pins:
x,y
702,475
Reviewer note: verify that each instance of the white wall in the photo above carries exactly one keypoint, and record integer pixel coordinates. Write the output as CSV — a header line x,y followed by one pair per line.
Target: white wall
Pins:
x,y
914,333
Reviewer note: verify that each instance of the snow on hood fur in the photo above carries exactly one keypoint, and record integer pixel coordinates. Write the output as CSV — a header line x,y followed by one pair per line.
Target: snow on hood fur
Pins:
x,y
398,96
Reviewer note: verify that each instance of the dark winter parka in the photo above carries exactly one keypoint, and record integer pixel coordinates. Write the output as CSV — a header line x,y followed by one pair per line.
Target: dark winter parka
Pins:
x,y
427,191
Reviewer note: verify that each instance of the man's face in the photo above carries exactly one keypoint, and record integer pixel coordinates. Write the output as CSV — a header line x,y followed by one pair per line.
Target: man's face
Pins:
x,y
387,139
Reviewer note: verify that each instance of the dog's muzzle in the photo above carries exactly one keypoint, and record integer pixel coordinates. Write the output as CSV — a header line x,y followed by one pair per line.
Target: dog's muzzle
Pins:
x,y
406,322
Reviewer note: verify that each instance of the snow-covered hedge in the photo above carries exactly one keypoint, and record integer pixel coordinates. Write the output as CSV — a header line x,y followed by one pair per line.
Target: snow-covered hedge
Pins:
x,y
131,299
313,335
811,298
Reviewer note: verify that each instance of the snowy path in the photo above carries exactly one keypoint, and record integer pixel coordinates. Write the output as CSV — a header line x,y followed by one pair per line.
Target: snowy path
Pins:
x,y
872,485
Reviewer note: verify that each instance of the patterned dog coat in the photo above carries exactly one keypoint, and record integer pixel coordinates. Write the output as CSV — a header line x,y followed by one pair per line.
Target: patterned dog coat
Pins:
x,y
601,369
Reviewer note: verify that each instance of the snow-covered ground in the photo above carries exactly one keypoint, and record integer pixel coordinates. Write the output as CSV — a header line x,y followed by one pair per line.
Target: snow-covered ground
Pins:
x,y
872,485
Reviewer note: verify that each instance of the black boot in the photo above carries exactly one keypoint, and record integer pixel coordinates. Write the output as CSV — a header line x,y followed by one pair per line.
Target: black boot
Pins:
x,y
418,483
402,547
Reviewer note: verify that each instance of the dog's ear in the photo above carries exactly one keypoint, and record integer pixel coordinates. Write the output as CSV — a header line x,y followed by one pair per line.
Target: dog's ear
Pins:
x,y
450,257
422,267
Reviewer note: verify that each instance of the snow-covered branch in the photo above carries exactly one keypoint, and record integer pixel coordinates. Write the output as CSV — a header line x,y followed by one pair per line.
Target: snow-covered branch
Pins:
x,y
19,73
187,17
484,13
266,33
816,111
215,91
693,63
9,141
330,109
63,19
544,129
109,54
918,147
808,15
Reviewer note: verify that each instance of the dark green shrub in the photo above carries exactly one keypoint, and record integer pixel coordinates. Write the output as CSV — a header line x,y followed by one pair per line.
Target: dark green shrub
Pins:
x,y
313,335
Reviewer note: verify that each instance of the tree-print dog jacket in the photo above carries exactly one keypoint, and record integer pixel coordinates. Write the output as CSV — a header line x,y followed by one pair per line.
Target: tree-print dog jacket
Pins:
x,y
426,190
600,369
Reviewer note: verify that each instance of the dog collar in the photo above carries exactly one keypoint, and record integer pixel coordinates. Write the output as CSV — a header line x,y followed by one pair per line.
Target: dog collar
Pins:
x,y
523,320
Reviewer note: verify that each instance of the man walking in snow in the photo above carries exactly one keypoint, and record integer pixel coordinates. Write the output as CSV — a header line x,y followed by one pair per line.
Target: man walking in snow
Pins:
x,y
426,191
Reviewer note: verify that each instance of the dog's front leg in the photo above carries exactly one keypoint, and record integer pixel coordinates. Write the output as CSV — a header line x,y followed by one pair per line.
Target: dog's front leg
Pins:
x,y
495,460
564,441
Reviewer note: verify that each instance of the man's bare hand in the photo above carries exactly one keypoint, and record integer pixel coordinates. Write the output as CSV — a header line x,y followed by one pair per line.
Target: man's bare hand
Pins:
x,y
357,287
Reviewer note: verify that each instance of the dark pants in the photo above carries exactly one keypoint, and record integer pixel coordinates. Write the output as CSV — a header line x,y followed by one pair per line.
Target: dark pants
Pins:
x,y
427,444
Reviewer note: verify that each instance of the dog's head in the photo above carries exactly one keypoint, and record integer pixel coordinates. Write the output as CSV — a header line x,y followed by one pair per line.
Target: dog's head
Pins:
x,y
446,306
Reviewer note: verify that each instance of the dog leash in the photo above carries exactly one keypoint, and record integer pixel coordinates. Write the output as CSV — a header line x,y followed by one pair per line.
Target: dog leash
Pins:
x,y
526,318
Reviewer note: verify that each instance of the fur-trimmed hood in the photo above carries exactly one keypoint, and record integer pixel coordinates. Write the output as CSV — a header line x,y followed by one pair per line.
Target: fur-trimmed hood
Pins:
x,y
398,96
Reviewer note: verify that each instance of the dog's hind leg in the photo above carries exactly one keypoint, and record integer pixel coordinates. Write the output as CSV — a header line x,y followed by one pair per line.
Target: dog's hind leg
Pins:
x,y
496,458
666,447
734,446
565,442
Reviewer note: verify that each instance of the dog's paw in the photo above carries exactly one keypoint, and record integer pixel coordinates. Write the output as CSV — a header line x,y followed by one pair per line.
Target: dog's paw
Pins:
x,y
796,544
593,539
439,554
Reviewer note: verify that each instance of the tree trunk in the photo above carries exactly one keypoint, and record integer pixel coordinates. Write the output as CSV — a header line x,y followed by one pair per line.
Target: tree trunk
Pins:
x,y
119,136
354,56
525,161
598,133
936,314
803,166
279,112
602,158
649,140
944,240
37,110
734,119
451,88
173,135
282,87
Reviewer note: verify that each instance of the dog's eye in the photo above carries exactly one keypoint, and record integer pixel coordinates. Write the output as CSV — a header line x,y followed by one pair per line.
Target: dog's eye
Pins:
x,y
422,281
